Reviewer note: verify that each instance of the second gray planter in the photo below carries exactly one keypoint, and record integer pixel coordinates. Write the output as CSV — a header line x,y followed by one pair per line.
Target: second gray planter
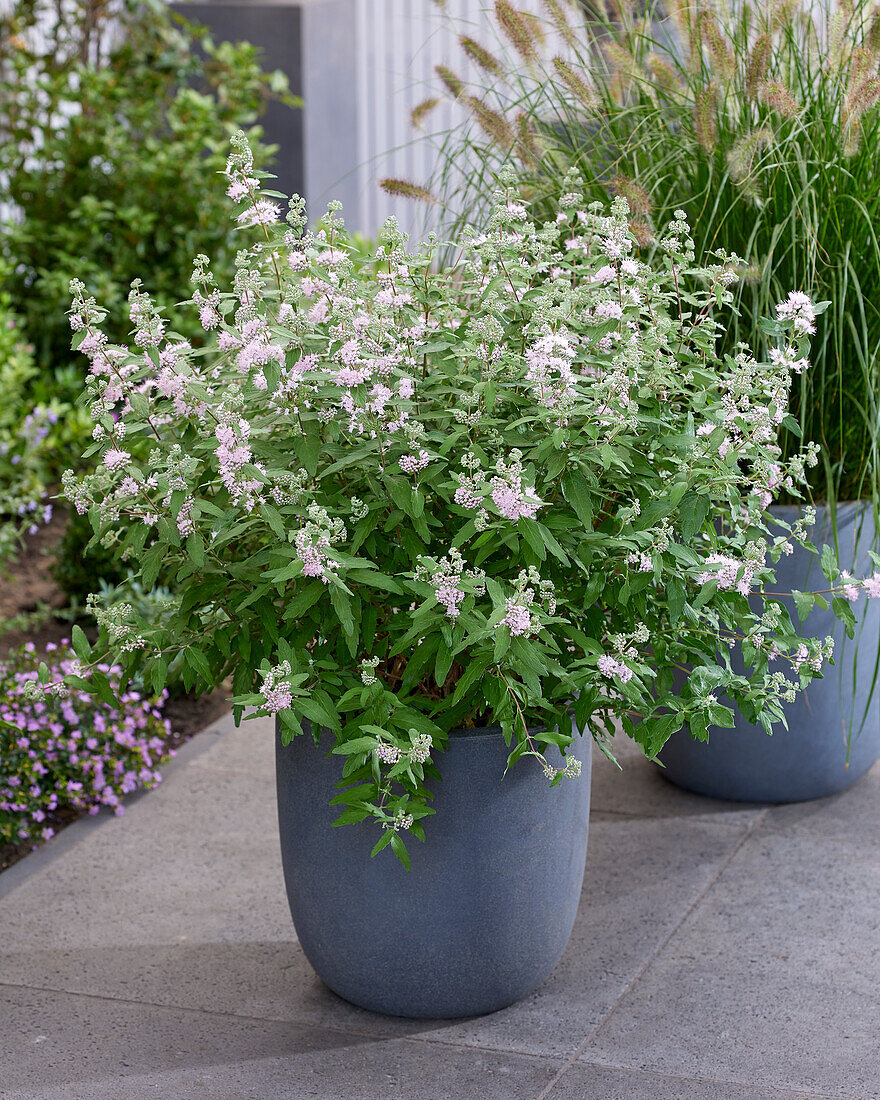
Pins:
x,y
838,712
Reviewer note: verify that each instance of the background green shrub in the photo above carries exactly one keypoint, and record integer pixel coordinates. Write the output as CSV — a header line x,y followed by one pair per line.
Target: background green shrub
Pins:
x,y
113,125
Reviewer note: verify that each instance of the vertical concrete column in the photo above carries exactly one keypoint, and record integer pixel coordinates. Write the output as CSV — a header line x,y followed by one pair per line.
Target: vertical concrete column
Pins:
x,y
330,91
276,27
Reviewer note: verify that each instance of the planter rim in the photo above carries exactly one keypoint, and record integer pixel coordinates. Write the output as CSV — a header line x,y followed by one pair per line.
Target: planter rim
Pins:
x,y
487,731
822,504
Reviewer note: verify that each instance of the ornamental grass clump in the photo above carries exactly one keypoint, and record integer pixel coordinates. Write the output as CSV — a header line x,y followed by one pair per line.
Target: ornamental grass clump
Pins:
x,y
761,119
63,750
396,501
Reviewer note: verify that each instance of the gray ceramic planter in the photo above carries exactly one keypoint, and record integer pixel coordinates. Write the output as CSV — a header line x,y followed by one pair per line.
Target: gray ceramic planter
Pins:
x,y
488,907
809,759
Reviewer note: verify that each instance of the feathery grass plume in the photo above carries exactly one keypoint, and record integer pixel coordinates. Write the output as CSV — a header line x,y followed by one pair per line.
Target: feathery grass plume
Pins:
x,y
537,25
838,27
863,65
782,12
626,69
639,200
642,232
704,118
481,56
519,30
667,81
453,84
863,91
576,83
683,14
494,125
872,34
852,137
620,11
775,94
529,146
559,19
405,189
716,44
865,94
741,160
422,110
757,64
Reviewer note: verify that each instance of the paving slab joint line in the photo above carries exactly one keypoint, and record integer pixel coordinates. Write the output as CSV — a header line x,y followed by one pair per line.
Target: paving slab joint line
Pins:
x,y
784,1092
305,1024
573,1058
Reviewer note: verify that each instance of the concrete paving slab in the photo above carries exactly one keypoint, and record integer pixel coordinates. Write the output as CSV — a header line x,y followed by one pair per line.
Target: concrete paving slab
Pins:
x,y
248,749
196,858
638,789
61,1047
582,1082
634,896
851,818
57,1039
773,979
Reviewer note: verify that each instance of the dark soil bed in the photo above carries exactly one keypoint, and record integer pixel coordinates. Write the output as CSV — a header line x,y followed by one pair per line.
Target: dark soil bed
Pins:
x,y
28,592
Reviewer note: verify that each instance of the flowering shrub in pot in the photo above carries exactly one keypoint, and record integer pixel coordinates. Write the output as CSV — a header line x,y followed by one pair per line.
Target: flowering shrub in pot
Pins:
x,y
443,523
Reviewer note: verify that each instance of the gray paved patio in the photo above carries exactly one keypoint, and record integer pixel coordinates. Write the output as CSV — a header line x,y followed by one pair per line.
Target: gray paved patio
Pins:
x,y
721,953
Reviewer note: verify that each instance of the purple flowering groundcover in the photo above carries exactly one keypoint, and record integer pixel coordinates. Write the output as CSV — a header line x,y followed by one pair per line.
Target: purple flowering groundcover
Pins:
x,y
63,754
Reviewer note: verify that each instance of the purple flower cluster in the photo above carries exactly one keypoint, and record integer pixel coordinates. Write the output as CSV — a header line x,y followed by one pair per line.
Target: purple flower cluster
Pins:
x,y
70,752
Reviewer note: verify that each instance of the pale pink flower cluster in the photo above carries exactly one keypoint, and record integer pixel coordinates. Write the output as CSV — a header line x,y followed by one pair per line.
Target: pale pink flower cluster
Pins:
x,y
311,549
803,656
388,754
608,311
512,499
278,698
518,618
313,542
253,346
613,669
549,370
412,463
466,495
276,692
233,454
729,573
242,188
115,458
798,308
509,495
448,593
788,360
209,309
185,524
263,212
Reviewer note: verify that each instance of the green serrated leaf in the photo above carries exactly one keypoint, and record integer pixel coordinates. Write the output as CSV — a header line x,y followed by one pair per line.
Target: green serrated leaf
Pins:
x,y
803,601
80,644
